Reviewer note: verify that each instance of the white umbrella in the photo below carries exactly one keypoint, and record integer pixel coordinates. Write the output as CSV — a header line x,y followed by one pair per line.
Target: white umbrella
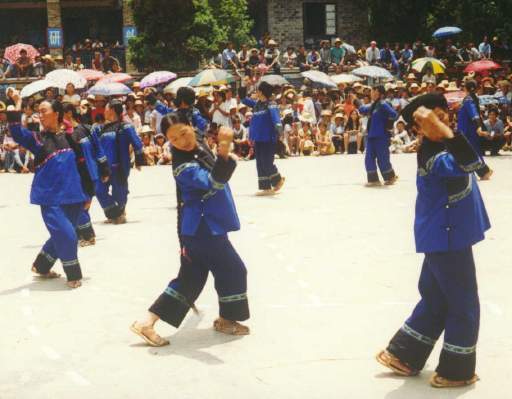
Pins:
x,y
61,77
350,49
35,87
173,87
373,72
319,79
346,78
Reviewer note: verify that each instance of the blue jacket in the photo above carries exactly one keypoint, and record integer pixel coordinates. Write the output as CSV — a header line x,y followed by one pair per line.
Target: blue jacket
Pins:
x,y
266,123
115,138
92,150
380,119
196,119
450,213
467,122
56,179
205,195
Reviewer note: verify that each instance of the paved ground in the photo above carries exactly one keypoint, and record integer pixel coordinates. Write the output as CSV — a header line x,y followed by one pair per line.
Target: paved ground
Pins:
x,y
332,275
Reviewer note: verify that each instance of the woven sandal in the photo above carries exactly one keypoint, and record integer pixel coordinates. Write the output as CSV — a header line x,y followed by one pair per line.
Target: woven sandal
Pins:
x,y
149,335
394,364
440,382
230,327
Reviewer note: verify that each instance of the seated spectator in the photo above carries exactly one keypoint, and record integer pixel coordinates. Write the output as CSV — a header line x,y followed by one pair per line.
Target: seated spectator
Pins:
x,y
325,56
429,76
302,59
290,58
314,60
229,58
272,55
109,63
307,145
68,62
130,115
243,59
9,148
324,140
149,149
38,67
493,137
23,160
241,143
353,133
164,150
96,63
373,54
22,68
48,64
338,129
78,64
400,139
338,55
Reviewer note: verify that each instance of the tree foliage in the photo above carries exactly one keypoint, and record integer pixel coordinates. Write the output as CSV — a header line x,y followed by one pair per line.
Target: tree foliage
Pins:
x,y
408,20
177,35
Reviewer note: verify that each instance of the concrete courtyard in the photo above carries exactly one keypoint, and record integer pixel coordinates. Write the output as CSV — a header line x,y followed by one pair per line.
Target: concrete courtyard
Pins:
x,y
332,275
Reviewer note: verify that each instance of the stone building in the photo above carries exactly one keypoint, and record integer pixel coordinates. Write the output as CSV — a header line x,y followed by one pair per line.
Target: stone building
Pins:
x,y
293,22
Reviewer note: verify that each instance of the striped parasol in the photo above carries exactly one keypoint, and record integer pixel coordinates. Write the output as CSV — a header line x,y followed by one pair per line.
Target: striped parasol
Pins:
x,y
421,64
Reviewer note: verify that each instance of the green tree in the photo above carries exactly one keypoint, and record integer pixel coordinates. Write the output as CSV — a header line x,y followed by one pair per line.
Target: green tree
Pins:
x,y
180,34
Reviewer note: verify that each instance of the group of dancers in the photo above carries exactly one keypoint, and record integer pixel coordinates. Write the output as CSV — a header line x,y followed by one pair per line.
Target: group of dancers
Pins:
x,y
450,214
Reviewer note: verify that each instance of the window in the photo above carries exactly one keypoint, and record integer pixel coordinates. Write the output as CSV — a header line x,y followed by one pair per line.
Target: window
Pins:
x,y
319,20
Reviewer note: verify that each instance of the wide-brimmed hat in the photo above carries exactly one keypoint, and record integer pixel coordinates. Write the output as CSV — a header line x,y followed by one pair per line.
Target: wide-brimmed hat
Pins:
x,y
139,102
146,129
339,115
306,117
415,86
326,112
504,83
411,76
3,107
452,87
272,42
338,40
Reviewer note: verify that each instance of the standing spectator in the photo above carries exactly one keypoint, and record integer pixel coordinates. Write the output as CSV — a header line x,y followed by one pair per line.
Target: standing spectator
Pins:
x,y
290,58
243,59
309,106
325,56
68,63
229,57
131,116
107,65
272,55
353,132
373,53
485,48
302,59
78,64
429,76
38,67
405,58
48,64
338,129
96,61
9,148
241,142
338,55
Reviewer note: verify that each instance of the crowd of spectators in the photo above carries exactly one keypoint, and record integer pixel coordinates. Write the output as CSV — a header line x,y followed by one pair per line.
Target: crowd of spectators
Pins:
x,y
90,54
317,121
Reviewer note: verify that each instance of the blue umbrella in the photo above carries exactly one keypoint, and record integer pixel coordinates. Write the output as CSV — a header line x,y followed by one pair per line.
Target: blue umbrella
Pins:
x,y
109,89
446,31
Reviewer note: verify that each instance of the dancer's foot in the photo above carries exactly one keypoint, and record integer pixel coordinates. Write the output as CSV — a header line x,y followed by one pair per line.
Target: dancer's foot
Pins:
x,y
51,274
120,220
87,243
395,364
148,334
440,382
488,175
265,193
230,327
74,284
373,184
391,181
279,185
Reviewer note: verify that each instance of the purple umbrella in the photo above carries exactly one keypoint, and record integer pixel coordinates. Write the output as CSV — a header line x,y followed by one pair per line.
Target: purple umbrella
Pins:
x,y
156,78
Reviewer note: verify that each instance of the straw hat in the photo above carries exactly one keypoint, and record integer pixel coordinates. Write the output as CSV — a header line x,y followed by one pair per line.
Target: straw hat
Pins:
x,y
3,107
326,112
272,42
338,40
306,117
146,129
414,86
452,87
339,115
139,102
411,77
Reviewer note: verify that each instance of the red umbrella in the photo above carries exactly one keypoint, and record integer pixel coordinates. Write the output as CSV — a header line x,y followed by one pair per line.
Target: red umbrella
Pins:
x,y
454,97
91,74
12,53
116,78
482,66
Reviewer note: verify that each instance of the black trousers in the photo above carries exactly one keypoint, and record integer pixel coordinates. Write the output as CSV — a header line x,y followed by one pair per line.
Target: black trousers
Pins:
x,y
268,175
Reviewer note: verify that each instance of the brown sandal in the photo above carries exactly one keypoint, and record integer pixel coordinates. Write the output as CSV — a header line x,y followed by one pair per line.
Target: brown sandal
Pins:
x,y
51,274
394,364
230,327
440,382
149,335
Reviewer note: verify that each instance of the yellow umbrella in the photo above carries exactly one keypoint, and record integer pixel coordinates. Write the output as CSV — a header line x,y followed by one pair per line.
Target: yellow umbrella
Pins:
x,y
421,63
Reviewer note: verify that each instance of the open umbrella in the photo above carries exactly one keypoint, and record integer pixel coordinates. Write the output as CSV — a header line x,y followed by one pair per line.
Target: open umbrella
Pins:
x,y
274,80
118,77
345,78
373,72
421,64
320,79
109,89
91,74
176,84
350,49
35,87
157,78
446,31
482,66
61,77
212,77
12,53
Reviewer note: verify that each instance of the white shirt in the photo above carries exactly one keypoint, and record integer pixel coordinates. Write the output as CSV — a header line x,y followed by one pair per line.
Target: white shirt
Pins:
x,y
73,99
309,107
